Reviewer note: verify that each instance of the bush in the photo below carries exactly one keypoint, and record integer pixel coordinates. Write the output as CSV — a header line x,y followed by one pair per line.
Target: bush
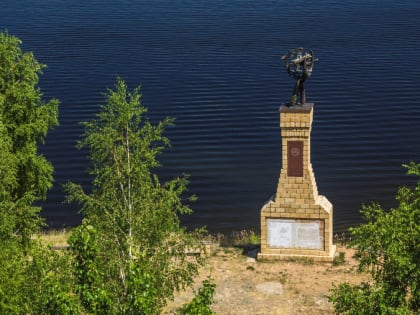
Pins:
x,y
388,247
200,305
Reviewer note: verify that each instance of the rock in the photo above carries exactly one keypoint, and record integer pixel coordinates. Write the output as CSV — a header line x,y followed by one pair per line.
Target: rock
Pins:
x,y
250,260
270,288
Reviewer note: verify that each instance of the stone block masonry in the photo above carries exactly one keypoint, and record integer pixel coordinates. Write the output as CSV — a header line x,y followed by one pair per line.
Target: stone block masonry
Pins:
x,y
297,222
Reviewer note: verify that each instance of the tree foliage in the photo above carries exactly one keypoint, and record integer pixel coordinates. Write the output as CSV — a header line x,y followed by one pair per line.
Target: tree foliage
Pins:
x,y
130,251
200,304
25,120
31,275
388,247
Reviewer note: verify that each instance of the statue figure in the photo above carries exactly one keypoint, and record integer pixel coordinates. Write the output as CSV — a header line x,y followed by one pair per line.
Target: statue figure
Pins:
x,y
299,65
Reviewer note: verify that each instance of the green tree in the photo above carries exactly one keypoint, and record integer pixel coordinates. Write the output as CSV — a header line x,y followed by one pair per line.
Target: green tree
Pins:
x,y
130,252
388,246
33,278
25,120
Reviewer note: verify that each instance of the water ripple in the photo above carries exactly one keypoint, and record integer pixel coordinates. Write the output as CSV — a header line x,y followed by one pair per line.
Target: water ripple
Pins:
x,y
215,66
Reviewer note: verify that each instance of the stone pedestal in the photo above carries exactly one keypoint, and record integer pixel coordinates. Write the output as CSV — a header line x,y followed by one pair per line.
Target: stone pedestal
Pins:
x,y
297,222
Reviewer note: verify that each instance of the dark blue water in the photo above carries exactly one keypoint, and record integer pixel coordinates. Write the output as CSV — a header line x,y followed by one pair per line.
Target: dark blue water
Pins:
x,y
215,66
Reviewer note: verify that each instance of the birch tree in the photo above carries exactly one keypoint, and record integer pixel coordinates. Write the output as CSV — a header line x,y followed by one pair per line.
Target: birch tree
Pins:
x,y
130,251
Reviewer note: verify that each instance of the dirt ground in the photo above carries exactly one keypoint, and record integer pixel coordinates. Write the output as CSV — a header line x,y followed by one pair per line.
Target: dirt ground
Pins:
x,y
246,286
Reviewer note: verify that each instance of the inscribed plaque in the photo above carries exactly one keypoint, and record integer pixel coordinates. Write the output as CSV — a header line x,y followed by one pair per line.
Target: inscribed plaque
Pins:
x,y
295,158
289,233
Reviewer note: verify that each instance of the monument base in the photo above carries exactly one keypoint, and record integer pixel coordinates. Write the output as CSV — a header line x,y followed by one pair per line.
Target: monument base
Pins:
x,y
304,257
300,230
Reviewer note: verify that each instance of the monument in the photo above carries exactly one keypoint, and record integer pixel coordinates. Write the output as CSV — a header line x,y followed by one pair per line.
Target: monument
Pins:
x,y
297,221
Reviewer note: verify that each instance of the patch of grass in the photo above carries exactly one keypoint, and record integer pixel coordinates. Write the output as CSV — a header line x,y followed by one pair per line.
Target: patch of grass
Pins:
x,y
283,278
53,238
340,259
342,238
250,237
302,260
243,238
231,251
295,290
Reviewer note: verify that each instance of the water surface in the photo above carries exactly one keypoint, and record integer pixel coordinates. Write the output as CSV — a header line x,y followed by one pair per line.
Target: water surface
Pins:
x,y
215,66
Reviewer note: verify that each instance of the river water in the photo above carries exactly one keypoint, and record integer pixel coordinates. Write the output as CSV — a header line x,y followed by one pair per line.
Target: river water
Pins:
x,y
215,66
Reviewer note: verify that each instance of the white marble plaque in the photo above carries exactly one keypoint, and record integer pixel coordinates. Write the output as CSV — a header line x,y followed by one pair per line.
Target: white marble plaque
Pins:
x,y
289,233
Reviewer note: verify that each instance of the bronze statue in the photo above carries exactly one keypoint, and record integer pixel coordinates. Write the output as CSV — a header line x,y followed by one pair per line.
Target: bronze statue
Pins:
x,y
299,65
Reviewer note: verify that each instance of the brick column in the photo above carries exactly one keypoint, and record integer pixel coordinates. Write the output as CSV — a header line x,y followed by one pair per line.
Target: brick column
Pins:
x,y
296,221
